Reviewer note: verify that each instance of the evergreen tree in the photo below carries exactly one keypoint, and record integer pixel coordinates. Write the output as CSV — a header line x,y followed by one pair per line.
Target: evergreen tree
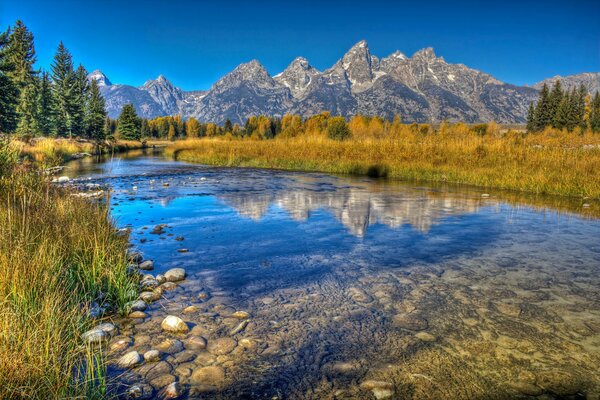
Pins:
x,y
563,113
63,78
45,111
21,55
580,107
554,100
95,114
27,111
144,128
80,99
128,123
595,113
543,116
8,90
531,127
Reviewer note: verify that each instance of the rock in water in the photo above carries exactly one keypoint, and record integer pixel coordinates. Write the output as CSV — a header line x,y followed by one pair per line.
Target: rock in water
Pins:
x,y
175,275
380,389
212,375
129,360
174,324
147,265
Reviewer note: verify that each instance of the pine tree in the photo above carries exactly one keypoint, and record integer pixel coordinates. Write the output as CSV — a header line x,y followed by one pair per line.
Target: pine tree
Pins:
x,y
543,117
563,113
554,100
80,99
531,127
95,114
128,124
8,90
144,128
63,78
595,113
45,111
21,55
580,107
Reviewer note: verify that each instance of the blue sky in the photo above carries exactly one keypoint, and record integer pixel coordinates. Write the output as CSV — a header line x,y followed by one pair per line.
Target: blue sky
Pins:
x,y
193,43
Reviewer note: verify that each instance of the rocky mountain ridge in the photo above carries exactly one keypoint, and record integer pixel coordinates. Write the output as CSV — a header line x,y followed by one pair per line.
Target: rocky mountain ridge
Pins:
x,y
421,88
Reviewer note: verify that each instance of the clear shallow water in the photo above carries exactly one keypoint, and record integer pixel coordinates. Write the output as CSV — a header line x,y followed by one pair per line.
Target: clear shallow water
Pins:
x,y
357,288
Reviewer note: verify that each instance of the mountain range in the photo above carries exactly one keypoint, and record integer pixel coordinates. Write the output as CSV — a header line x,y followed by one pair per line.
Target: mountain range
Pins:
x,y
421,88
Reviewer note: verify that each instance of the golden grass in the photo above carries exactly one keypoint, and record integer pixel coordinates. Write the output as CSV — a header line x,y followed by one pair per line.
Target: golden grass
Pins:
x,y
552,162
57,254
55,151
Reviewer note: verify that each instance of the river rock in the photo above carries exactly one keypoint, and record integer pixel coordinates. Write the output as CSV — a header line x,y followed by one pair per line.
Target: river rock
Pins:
x,y
147,265
149,296
160,278
136,305
185,356
171,391
108,328
170,346
175,275
190,310
195,343
240,315
213,375
174,324
95,336
148,283
134,257
152,355
380,389
129,360
182,250
425,336
221,346
137,315
139,392
162,381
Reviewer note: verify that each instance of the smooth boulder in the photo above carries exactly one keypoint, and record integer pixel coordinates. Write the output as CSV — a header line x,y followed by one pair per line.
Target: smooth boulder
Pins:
x,y
174,324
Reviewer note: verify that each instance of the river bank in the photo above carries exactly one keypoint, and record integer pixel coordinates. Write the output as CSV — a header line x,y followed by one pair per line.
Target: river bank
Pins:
x,y
547,163
63,265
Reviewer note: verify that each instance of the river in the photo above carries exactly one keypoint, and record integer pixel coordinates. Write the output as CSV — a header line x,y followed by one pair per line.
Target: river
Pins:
x,y
356,287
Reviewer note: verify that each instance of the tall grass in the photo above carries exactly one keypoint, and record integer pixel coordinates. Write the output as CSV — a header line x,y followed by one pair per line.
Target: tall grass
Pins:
x,y
58,253
552,162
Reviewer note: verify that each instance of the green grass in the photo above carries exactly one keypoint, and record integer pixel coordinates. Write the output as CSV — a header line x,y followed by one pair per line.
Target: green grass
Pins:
x,y
58,253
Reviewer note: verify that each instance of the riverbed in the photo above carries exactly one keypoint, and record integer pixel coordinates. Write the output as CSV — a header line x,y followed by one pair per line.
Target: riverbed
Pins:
x,y
354,287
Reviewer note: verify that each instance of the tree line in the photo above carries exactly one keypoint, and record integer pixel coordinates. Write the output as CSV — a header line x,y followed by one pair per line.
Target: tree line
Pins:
x,y
33,102
564,109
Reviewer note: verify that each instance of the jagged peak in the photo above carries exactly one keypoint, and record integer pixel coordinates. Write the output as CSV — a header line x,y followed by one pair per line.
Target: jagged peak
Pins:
x,y
426,53
360,45
397,55
99,77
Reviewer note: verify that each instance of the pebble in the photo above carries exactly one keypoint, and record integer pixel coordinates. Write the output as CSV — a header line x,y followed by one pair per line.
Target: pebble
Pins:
x,y
190,310
380,389
147,265
162,381
171,391
174,324
152,355
136,305
160,278
425,337
134,257
212,375
175,275
221,346
149,297
240,315
137,315
129,360
195,343
139,392
182,250
95,336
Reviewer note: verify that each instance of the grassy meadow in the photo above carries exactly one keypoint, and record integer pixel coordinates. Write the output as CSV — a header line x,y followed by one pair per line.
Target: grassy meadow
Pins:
x,y
58,254
550,162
